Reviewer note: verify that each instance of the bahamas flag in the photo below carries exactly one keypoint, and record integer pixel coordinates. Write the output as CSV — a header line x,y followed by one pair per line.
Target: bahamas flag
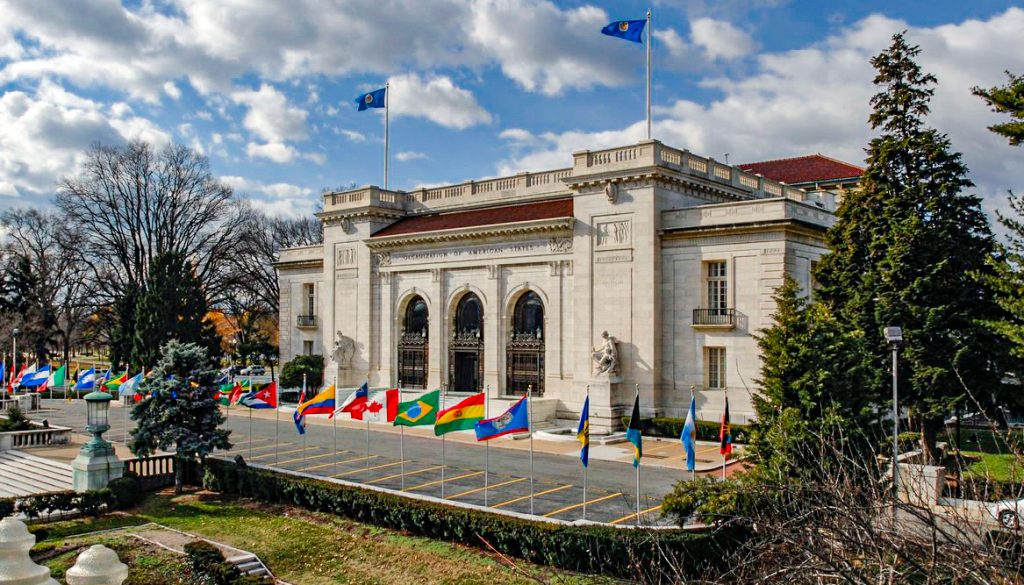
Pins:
x,y
419,411
583,432
631,30
689,435
513,420
461,417
373,99
633,433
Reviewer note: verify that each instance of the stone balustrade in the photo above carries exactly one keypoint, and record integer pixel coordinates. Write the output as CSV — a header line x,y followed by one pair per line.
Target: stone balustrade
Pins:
x,y
39,436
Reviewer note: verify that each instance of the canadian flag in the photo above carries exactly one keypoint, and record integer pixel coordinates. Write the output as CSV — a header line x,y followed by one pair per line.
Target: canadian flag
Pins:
x,y
382,406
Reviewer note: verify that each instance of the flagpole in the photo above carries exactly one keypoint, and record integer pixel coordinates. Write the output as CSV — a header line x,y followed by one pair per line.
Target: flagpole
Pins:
x,y
586,467
365,411
529,414
649,25
401,451
638,470
442,467
487,444
334,420
726,394
250,431
693,472
387,124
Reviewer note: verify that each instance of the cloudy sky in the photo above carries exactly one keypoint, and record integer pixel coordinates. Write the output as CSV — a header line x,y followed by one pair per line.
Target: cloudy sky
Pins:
x,y
479,87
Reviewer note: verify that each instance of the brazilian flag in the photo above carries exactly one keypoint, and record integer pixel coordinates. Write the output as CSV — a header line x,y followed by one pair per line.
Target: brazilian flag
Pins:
x,y
420,411
633,433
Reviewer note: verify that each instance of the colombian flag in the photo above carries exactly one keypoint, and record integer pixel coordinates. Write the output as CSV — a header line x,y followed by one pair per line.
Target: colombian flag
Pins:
x,y
461,417
419,411
322,403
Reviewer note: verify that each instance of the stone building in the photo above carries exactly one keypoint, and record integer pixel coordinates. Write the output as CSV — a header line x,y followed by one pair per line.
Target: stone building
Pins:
x,y
641,267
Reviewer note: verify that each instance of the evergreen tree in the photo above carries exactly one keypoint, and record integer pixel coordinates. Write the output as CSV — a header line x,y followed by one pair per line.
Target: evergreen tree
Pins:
x,y
121,320
180,413
173,306
903,250
812,385
1007,99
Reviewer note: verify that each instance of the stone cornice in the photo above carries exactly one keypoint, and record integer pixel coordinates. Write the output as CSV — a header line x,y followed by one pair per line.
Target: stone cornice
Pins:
x,y
523,228
368,213
660,175
790,225
298,264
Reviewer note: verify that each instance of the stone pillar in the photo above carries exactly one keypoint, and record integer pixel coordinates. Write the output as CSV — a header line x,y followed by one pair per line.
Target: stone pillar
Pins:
x,y
98,565
16,568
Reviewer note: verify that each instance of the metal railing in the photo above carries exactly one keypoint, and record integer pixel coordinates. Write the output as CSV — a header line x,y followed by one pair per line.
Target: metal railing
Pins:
x,y
725,317
305,320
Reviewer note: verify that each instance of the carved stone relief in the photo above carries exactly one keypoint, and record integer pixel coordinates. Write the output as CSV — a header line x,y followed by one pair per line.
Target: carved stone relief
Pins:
x,y
346,256
344,349
613,233
382,259
560,245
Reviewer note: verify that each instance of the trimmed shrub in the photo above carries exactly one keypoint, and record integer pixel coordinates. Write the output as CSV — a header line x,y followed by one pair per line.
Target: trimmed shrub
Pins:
x,y
126,491
90,503
311,365
15,421
673,427
626,553
209,567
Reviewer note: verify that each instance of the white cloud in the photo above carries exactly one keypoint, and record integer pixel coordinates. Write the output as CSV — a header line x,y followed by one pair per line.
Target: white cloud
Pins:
x,y
437,99
816,99
517,135
352,135
172,90
274,198
275,151
270,116
673,41
408,155
720,39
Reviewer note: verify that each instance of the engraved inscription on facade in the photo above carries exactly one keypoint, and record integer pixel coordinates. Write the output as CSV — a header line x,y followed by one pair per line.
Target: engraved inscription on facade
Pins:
x,y
613,233
471,252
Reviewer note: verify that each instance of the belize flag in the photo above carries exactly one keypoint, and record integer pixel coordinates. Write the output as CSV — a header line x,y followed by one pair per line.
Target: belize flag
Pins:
x,y
513,420
355,404
266,398
373,99
630,30
86,380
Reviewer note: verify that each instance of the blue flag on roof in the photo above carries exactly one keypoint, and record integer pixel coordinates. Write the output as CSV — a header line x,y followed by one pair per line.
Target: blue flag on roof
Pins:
x,y
373,99
631,30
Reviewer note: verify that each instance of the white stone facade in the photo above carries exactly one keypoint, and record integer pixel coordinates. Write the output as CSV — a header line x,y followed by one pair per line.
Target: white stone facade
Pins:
x,y
620,242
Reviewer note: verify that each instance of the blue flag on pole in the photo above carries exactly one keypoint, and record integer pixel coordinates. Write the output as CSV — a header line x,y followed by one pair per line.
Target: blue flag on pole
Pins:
x,y
514,420
373,99
631,30
583,433
633,433
689,435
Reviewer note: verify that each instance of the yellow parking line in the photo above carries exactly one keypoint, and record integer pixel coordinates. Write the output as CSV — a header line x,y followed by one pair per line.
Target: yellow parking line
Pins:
x,y
435,482
268,441
492,486
284,452
527,497
580,505
407,473
633,515
298,459
355,471
330,463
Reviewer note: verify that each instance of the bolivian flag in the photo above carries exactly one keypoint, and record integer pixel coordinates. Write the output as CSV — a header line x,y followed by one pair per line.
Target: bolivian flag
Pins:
x,y
419,411
461,417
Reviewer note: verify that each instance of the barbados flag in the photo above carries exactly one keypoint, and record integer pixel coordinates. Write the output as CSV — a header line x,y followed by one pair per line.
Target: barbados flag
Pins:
x,y
461,417
419,411
583,432
689,435
630,30
372,99
633,433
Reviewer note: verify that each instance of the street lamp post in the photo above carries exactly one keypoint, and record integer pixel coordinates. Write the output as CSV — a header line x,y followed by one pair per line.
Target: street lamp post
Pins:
x,y
894,336
97,462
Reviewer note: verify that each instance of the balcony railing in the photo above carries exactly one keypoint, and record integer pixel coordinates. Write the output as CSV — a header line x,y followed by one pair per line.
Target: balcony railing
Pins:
x,y
714,317
306,320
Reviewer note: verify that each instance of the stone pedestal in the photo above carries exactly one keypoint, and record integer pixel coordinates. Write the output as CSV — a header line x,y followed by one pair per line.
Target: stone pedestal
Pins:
x,y
95,466
16,568
98,565
603,392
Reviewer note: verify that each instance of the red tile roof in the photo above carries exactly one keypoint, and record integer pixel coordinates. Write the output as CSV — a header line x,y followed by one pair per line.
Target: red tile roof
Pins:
x,y
804,169
479,217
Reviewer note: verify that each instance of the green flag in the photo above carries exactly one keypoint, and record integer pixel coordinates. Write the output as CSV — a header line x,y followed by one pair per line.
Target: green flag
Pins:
x,y
419,411
59,378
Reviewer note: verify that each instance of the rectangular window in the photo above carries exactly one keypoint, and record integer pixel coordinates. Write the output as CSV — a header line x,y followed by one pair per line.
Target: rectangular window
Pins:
x,y
307,347
714,367
310,296
717,280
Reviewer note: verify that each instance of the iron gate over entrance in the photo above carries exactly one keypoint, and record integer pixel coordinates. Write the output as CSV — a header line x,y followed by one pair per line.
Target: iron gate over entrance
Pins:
x,y
412,345
466,347
524,354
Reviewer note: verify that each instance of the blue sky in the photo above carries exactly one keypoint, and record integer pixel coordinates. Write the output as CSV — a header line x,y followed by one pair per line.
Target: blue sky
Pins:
x,y
480,87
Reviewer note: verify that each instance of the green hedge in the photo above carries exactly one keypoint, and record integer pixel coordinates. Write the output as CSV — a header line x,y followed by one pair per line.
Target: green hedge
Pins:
x,y
673,427
625,553
121,493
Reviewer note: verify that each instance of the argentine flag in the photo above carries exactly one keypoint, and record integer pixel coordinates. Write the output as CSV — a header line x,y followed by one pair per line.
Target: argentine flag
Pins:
x,y
689,435
130,387
86,380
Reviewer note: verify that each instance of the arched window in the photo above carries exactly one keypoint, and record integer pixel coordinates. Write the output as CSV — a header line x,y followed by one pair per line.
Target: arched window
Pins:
x,y
466,347
412,345
525,350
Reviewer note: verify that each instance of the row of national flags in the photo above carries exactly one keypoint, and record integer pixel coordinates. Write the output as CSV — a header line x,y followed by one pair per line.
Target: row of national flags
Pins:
x,y
40,378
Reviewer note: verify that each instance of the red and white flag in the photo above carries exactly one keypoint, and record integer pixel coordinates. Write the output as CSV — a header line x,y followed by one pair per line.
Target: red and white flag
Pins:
x,y
382,406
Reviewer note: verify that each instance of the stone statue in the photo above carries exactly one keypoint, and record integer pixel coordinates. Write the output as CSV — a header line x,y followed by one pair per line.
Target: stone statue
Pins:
x,y
611,191
344,349
606,357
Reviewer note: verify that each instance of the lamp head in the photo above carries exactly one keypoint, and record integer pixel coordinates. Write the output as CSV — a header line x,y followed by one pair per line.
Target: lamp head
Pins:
x,y
894,335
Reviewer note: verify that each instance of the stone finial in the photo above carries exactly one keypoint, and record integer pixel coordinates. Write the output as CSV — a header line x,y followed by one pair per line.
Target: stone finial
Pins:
x,y
15,564
98,565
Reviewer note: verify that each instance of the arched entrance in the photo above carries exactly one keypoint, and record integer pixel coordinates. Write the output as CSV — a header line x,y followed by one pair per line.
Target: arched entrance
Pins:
x,y
524,361
412,345
466,348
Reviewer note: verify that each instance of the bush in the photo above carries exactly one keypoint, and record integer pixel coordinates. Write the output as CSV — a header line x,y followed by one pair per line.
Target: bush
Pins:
x,y
311,365
15,421
91,503
673,427
588,548
126,491
209,567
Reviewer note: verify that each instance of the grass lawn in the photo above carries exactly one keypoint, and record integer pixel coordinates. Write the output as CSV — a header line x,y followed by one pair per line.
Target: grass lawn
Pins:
x,y
309,548
994,467
148,564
